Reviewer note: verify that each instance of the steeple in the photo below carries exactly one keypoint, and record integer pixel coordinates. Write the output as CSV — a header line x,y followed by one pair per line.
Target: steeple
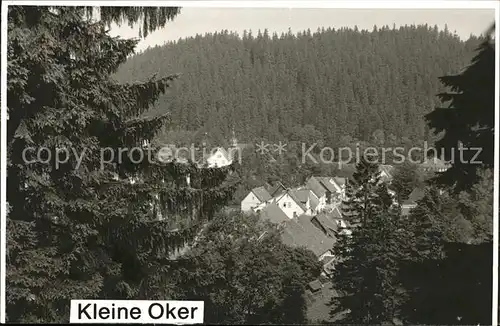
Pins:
x,y
234,141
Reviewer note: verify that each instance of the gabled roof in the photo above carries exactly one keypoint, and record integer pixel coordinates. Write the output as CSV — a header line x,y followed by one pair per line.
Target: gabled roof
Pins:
x,y
273,214
277,189
326,222
302,194
261,194
414,196
293,195
387,170
328,183
303,233
314,184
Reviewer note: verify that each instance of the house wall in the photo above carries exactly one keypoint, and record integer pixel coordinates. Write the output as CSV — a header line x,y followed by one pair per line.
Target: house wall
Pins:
x,y
249,202
218,159
289,206
326,254
322,202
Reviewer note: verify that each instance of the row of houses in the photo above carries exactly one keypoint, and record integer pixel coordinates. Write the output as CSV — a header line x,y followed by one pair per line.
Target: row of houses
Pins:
x,y
308,215
316,195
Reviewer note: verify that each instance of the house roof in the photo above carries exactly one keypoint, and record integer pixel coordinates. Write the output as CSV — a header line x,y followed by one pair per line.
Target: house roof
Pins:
x,y
414,196
326,222
273,214
277,189
314,184
315,285
303,195
293,194
313,200
327,183
303,233
435,163
261,193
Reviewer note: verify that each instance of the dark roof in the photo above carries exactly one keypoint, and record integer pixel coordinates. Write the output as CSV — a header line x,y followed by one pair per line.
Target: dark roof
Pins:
x,y
326,222
315,185
327,183
303,233
315,285
273,214
302,194
277,189
416,195
261,193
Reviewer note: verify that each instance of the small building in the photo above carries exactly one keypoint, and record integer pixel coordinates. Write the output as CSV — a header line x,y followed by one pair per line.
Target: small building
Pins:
x,y
328,190
411,202
291,205
386,172
435,164
273,214
255,197
315,286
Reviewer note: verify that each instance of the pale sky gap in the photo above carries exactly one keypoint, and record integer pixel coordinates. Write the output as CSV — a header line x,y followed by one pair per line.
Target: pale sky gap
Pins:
x,y
196,20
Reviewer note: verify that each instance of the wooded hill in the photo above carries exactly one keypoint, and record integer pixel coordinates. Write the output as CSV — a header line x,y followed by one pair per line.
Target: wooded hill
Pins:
x,y
344,82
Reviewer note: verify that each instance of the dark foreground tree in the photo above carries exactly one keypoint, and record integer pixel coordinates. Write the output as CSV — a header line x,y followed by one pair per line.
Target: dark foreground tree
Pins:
x,y
367,275
245,275
457,289
407,177
366,194
74,231
469,120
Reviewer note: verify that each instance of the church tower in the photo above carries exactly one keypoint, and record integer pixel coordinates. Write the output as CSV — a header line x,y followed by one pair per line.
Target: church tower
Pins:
x,y
234,141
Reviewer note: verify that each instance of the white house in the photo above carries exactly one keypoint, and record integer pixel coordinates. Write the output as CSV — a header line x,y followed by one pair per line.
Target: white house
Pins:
x,y
328,190
386,172
291,205
255,198
219,158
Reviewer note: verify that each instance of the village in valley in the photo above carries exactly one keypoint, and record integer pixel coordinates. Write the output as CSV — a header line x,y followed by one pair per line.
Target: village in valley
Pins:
x,y
232,170
311,216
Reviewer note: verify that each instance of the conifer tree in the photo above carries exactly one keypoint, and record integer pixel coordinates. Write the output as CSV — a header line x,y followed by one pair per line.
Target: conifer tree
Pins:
x,y
74,231
366,194
367,275
468,121
370,255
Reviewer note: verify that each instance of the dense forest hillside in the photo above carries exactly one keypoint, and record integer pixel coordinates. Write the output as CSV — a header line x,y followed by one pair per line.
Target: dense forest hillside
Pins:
x,y
345,82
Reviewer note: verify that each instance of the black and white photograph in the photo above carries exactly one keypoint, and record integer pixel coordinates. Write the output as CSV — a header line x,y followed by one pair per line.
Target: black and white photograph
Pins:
x,y
250,162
